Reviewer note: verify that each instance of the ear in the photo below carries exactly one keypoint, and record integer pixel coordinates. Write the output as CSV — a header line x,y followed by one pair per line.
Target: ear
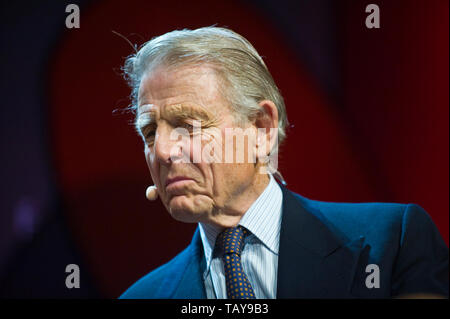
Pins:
x,y
267,124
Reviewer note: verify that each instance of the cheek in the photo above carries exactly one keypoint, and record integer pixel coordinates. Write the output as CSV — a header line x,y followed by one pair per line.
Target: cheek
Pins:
x,y
152,164
148,156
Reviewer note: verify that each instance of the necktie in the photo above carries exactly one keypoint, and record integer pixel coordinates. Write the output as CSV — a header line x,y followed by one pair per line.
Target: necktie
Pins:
x,y
231,242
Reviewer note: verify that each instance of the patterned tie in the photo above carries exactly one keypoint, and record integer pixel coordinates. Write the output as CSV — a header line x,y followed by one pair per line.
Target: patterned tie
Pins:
x,y
231,243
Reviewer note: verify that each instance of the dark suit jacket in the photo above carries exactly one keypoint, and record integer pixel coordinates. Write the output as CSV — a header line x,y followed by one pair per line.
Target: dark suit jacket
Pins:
x,y
324,251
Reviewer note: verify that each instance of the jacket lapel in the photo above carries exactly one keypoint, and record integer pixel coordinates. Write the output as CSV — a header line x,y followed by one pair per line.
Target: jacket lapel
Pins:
x,y
191,283
315,261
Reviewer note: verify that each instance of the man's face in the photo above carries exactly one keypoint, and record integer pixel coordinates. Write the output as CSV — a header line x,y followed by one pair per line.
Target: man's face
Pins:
x,y
215,193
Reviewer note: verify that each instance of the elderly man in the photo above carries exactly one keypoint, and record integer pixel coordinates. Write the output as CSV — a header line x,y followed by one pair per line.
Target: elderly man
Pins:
x,y
196,92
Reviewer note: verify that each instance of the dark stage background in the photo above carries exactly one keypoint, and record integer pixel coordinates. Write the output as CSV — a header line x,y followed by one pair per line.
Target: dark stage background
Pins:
x,y
368,107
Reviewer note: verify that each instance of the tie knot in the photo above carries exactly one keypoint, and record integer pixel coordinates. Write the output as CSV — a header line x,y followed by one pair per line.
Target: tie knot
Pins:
x,y
231,240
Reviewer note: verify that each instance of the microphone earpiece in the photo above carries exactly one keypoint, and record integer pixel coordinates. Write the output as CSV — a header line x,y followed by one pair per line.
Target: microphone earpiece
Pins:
x,y
151,193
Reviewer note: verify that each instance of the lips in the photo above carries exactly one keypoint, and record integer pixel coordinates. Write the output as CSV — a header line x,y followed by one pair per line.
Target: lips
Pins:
x,y
177,179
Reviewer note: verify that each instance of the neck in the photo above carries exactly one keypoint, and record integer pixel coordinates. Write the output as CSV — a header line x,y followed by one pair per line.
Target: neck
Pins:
x,y
231,214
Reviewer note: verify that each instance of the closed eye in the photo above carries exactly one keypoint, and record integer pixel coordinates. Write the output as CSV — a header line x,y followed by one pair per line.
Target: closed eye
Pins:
x,y
149,133
187,126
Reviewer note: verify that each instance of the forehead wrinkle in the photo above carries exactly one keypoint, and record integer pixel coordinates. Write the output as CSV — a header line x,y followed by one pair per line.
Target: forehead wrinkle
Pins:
x,y
187,110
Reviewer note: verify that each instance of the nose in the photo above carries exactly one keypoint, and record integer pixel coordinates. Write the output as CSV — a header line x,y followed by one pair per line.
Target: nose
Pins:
x,y
162,144
168,147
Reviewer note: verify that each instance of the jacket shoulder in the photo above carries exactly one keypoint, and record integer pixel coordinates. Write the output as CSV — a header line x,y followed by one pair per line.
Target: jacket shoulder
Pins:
x,y
375,221
148,287
355,211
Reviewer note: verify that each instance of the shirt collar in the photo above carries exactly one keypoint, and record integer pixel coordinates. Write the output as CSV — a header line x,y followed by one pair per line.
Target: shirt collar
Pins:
x,y
263,219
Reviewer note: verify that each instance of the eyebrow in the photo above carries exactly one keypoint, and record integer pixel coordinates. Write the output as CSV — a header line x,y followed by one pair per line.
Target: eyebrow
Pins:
x,y
144,119
173,111
186,110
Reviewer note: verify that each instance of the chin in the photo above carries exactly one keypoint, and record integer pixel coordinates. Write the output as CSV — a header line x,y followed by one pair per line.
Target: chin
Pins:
x,y
183,210
184,216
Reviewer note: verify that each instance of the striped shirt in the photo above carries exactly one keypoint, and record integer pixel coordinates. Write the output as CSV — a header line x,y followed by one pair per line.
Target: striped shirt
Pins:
x,y
259,258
